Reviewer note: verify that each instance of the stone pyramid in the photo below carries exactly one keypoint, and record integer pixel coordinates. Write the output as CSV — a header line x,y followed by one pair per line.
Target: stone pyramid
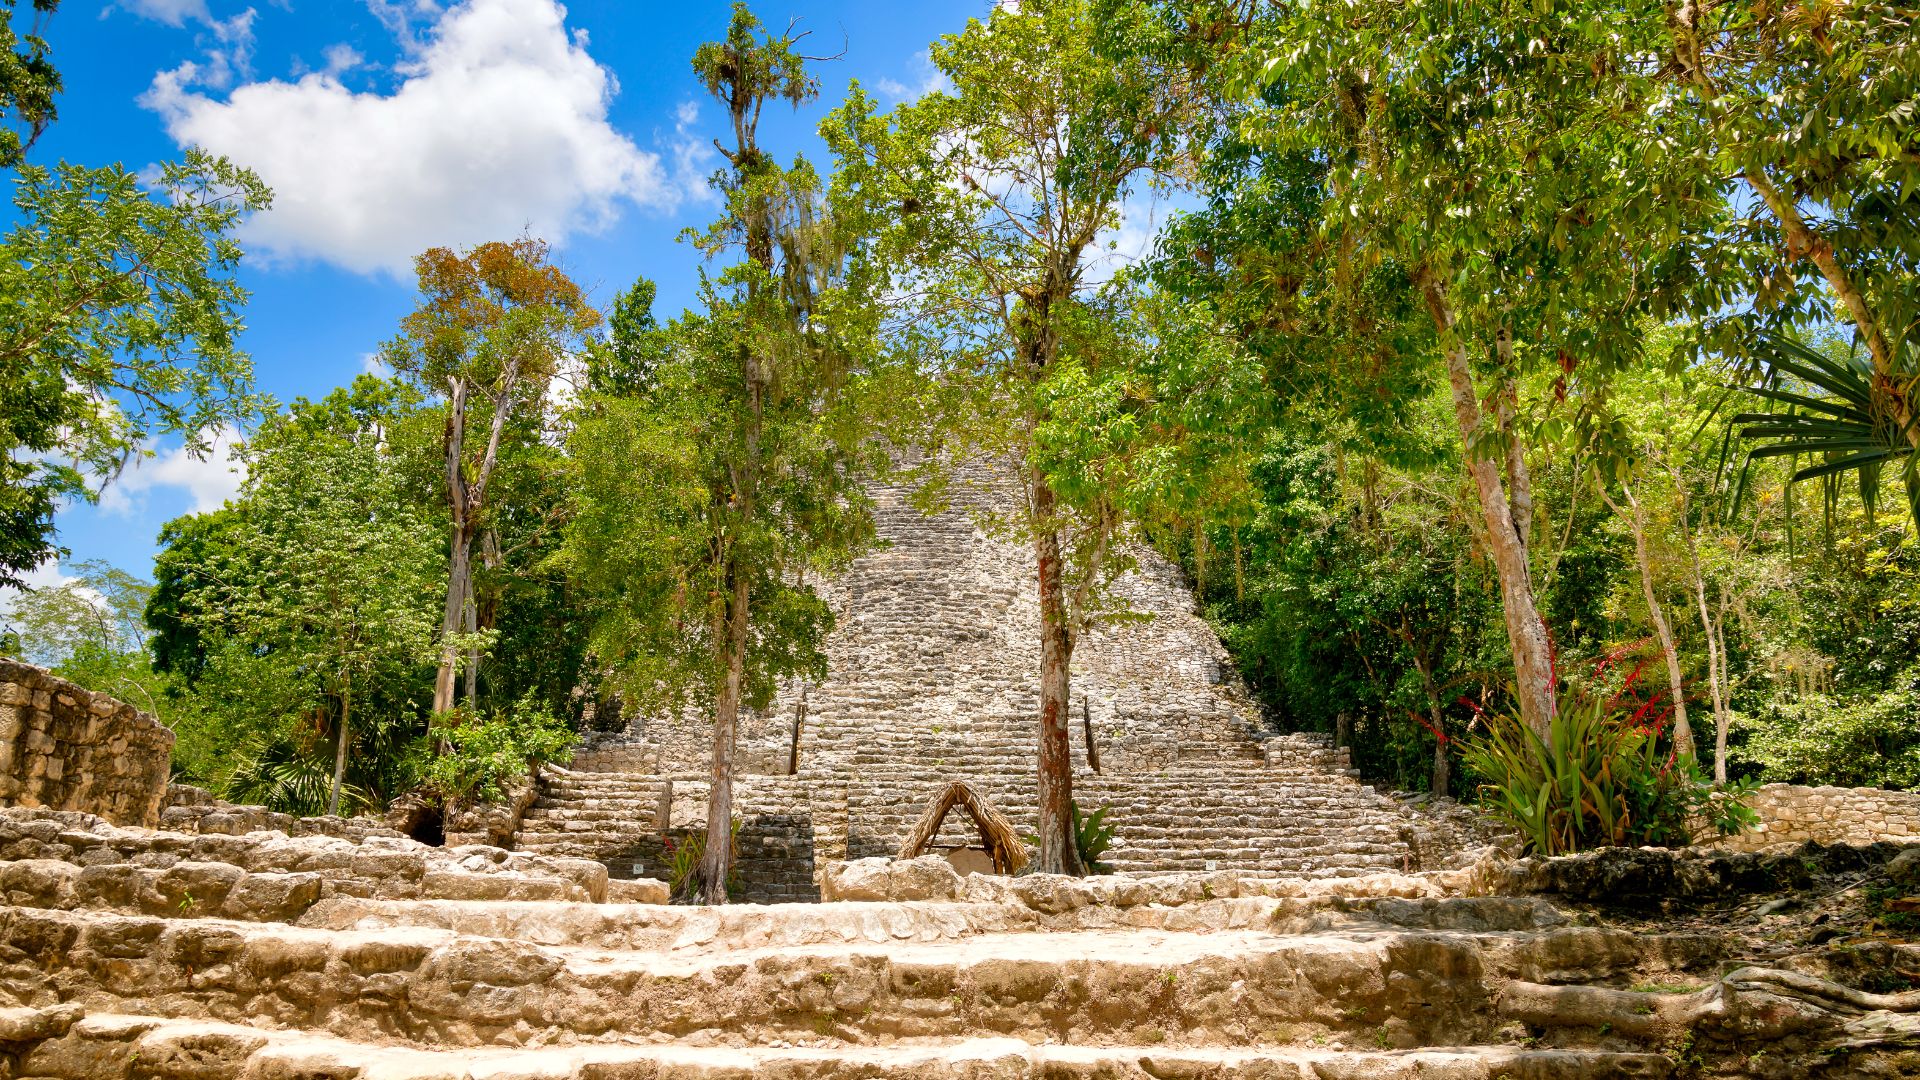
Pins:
x,y
933,676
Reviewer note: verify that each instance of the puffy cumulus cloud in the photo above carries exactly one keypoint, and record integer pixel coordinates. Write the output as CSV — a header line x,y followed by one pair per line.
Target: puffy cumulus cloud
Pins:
x,y
210,478
498,123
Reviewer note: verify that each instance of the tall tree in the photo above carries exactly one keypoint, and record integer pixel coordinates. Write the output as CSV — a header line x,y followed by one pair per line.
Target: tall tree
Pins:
x,y
719,459
329,571
118,309
493,327
1004,188
1495,153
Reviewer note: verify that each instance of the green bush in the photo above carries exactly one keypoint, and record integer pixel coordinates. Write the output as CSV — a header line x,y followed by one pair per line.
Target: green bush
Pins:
x,y
683,865
1092,836
1600,779
484,754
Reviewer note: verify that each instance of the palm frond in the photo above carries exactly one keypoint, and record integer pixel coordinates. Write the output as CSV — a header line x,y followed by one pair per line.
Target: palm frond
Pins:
x,y
1834,414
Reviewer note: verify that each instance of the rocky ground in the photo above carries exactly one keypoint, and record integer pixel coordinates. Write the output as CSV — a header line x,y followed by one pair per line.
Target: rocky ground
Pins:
x,y
134,954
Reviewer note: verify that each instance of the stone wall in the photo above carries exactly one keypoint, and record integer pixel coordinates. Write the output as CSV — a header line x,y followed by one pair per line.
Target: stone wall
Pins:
x,y
1792,813
66,748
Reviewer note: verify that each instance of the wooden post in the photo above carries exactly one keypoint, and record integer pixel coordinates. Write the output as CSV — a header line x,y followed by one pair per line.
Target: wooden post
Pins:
x,y
799,721
1086,726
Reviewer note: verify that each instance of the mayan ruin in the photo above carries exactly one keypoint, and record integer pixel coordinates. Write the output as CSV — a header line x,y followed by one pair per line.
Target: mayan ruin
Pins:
x,y
960,540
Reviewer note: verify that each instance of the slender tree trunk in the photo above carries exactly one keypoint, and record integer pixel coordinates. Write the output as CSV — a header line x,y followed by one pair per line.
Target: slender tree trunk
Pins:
x,y
717,862
1526,632
1716,660
460,546
1058,853
1637,518
1519,480
1714,687
470,619
340,747
1723,718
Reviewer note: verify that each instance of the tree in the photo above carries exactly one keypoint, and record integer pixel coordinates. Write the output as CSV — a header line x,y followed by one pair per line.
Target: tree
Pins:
x,y
494,323
1811,106
1502,156
719,465
28,81
100,609
328,572
118,315
999,193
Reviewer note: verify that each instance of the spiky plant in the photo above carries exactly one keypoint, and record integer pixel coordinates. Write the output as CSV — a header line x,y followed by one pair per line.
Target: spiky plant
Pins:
x,y
1836,411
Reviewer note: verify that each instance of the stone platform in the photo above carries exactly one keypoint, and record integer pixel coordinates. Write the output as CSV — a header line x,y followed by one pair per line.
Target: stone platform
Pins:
x,y
134,955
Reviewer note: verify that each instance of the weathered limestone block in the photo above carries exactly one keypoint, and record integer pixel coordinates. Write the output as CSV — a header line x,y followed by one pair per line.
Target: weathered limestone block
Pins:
x,y
929,877
65,748
639,891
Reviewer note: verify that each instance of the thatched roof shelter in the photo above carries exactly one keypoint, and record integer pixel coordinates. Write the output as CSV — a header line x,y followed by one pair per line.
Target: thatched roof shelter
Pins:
x,y
997,834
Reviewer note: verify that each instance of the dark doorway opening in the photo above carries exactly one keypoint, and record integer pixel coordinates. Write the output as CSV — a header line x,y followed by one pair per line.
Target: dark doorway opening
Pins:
x,y
429,826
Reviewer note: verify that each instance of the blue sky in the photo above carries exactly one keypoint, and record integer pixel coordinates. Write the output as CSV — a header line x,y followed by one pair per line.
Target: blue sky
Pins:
x,y
387,127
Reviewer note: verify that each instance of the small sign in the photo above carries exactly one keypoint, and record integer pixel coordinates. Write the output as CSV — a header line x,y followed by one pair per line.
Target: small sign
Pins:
x,y
639,868
1210,864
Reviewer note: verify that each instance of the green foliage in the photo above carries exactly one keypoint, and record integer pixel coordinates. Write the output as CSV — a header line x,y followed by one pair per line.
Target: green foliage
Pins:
x,y
28,81
484,754
1835,413
118,318
1092,836
683,858
1854,740
1600,779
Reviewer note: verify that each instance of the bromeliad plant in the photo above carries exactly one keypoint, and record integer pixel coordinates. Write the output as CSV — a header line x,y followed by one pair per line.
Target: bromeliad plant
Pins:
x,y
1600,778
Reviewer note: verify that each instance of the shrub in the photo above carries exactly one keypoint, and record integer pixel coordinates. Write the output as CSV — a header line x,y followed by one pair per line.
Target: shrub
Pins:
x,y
484,754
1599,779
683,864
1092,836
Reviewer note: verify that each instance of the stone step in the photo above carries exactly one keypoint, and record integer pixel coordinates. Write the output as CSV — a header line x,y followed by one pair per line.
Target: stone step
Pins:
x,y
63,1046
443,988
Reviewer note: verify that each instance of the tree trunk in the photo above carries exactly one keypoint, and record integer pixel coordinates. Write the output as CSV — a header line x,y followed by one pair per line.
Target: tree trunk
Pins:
x,y
1716,660
1086,731
1519,480
1442,768
1723,706
460,546
470,619
1058,854
717,862
340,748
1526,632
1682,731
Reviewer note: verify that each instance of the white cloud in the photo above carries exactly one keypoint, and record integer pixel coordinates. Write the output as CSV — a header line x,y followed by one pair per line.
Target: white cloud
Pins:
x,y
342,58
371,364
171,12
211,479
498,124
228,42
928,79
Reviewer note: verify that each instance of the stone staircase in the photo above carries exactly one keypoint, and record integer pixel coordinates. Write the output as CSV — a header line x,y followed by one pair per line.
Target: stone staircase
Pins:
x,y
932,677
133,955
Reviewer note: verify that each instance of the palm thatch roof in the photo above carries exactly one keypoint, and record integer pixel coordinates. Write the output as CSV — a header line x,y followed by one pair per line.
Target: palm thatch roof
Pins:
x,y
997,834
